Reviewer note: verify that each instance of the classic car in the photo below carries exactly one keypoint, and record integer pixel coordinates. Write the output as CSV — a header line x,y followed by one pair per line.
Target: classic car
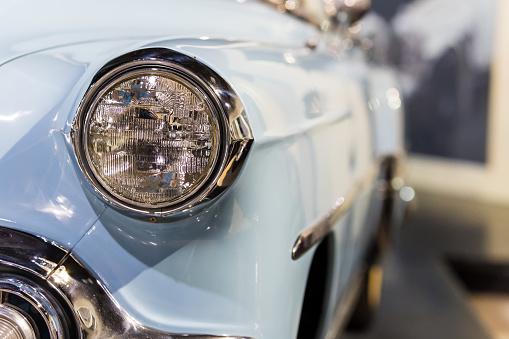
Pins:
x,y
204,169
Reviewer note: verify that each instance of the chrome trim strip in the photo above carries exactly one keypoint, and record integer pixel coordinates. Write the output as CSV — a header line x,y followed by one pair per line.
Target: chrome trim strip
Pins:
x,y
95,309
36,255
311,237
234,129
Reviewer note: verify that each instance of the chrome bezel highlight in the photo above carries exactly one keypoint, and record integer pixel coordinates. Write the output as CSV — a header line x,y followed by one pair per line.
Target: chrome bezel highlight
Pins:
x,y
233,135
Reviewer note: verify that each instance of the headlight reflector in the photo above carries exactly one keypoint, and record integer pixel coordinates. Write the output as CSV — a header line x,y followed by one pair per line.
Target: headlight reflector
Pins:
x,y
151,138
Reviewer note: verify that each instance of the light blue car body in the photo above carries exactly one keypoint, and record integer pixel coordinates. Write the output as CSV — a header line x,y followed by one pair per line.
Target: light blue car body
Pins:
x,y
225,269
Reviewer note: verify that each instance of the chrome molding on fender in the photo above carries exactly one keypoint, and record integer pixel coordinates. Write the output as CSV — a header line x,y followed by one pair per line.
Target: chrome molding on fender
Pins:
x,y
94,309
232,122
311,237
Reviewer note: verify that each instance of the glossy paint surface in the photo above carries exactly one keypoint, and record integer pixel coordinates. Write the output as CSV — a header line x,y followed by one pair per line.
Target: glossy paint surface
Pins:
x,y
386,106
230,265
41,189
34,25
223,268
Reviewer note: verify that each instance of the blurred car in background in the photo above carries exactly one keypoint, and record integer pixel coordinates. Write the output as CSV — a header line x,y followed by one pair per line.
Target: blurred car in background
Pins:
x,y
214,169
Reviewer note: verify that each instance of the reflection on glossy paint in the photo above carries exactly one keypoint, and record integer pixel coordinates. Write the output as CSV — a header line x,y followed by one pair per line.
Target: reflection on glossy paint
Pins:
x,y
68,60
61,208
7,221
374,104
393,98
14,116
313,104
289,58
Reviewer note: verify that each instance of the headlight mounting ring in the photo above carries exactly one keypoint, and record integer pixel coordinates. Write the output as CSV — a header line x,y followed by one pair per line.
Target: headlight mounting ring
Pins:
x,y
232,137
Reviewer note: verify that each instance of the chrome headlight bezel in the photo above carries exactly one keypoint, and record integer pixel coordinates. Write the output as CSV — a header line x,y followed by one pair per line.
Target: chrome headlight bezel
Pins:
x,y
233,133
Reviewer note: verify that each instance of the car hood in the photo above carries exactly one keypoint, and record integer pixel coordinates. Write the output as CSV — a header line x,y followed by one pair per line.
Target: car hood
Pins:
x,y
34,25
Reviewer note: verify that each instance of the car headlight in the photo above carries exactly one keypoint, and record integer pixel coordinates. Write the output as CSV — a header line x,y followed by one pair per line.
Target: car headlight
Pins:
x,y
153,137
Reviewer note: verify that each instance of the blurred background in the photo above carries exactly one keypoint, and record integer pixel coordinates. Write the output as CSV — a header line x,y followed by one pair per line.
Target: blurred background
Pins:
x,y
448,275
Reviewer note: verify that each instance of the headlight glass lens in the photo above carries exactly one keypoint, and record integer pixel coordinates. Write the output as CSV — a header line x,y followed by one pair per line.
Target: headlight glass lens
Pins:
x,y
151,138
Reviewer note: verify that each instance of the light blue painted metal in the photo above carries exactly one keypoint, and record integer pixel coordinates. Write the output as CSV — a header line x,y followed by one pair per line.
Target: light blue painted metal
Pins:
x,y
385,102
227,269
39,95
31,26
41,193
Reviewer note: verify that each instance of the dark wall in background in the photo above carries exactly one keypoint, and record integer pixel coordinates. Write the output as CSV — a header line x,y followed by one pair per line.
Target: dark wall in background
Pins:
x,y
387,8
447,111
